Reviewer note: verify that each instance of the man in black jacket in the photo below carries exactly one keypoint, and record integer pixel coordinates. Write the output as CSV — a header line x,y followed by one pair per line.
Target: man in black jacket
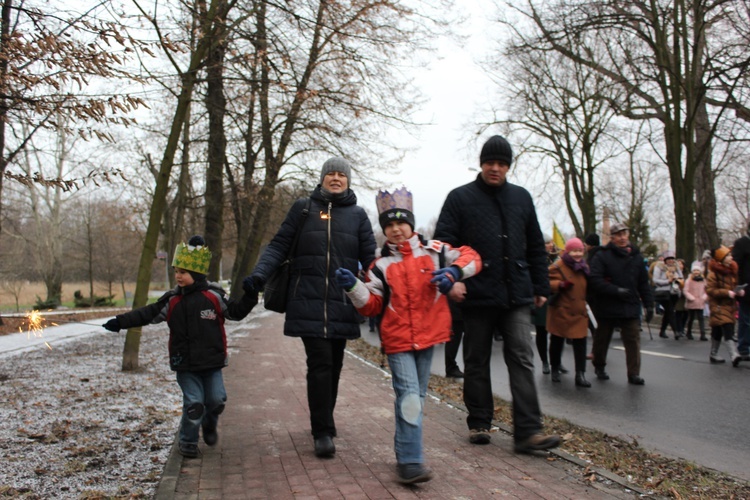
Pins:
x,y
741,254
620,282
498,220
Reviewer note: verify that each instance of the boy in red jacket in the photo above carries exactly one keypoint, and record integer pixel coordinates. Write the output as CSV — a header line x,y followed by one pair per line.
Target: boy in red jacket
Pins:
x,y
406,286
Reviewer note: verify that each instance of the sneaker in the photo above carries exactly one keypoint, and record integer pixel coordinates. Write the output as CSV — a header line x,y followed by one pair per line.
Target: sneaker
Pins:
x,y
479,436
210,436
635,380
545,368
454,373
413,473
189,450
537,442
601,374
324,447
563,369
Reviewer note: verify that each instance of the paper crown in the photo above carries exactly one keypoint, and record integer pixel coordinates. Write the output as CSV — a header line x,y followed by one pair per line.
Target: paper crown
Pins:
x,y
400,198
192,258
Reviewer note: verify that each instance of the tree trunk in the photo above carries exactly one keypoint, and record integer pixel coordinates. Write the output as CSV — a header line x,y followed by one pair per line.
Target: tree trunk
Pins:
x,y
217,143
707,234
159,202
4,40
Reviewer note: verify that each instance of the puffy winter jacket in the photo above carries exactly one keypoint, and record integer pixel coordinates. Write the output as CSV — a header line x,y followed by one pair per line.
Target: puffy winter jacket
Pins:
x,y
695,292
336,233
416,315
500,223
721,280
614,268
195,315
568,316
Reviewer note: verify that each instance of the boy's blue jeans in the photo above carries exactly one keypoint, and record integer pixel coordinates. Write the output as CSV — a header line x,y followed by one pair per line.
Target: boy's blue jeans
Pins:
x,y
411,374
203,399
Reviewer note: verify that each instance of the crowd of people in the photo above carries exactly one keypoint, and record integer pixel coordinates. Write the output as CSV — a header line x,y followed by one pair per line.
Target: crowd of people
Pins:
x,y
488,274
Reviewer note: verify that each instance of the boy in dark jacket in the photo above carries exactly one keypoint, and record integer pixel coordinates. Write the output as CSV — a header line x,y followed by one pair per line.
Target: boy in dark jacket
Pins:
x,y
195,311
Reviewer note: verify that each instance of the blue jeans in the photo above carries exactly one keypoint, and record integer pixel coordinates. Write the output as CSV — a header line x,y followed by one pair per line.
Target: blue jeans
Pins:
x,y
411,374
515,326
203,400
743,327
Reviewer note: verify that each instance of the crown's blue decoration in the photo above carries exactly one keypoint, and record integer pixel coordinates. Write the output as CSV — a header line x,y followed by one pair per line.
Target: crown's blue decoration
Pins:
x,y
400,198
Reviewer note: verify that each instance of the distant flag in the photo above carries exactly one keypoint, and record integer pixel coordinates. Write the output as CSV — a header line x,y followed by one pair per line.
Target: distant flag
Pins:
x,y
557,237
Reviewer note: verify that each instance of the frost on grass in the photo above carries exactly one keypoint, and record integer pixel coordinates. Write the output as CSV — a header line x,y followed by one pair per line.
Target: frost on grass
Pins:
x,y
74,425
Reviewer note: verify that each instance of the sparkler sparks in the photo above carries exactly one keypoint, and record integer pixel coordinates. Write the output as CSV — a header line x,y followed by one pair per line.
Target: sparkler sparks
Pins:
x,y
34,323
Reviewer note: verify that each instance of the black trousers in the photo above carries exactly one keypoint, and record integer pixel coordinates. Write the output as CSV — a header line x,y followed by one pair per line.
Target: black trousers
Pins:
x,y
451,347
325,357
579,352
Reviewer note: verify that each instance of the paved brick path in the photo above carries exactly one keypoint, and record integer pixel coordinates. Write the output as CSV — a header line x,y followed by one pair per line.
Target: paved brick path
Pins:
x,y
265,446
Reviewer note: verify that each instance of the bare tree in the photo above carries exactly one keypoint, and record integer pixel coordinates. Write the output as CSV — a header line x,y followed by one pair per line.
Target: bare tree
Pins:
x,y
562,111
49,57
319,78
664,57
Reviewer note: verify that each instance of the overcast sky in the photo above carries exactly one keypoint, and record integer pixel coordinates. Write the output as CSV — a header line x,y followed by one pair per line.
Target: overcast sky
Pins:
x,y
441,157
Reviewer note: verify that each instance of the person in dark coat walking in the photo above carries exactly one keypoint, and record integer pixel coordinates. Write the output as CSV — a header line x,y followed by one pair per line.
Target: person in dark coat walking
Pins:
x,y
498,220
620,283
741,255
336,233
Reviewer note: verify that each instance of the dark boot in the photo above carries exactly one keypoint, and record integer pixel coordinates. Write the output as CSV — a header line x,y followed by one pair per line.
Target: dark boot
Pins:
x,y
556,374
581,380
324,447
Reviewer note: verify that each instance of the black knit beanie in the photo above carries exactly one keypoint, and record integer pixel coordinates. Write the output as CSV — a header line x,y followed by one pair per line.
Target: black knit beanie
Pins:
x,y
396,214
496,148
592,240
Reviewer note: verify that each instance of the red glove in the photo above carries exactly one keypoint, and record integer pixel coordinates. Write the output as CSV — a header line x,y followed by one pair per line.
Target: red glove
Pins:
x,y
564,285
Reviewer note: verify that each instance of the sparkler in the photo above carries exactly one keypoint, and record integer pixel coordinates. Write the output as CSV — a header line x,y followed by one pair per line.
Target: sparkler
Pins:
x,y
35,325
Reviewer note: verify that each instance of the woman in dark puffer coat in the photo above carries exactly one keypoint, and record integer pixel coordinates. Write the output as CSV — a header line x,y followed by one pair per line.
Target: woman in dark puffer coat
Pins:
x,y
335,233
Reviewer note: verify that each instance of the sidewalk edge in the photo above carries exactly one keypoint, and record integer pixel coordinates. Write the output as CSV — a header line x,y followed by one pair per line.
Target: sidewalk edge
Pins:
x,y
168,481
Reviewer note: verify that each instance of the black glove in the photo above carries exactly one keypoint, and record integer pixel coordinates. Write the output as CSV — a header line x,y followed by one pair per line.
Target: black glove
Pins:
x,y
252,284
625,294
649,314
112,325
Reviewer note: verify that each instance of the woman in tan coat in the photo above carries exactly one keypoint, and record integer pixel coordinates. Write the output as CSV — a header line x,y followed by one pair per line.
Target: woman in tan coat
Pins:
x,y
721,288
566,315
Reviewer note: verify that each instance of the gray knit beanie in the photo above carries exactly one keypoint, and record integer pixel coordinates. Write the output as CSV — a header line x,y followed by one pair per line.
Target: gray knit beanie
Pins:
x,y
337,164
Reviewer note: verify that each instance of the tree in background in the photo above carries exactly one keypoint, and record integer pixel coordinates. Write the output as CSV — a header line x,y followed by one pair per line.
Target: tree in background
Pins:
x,y
51,59
561,112
317,79
677,63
